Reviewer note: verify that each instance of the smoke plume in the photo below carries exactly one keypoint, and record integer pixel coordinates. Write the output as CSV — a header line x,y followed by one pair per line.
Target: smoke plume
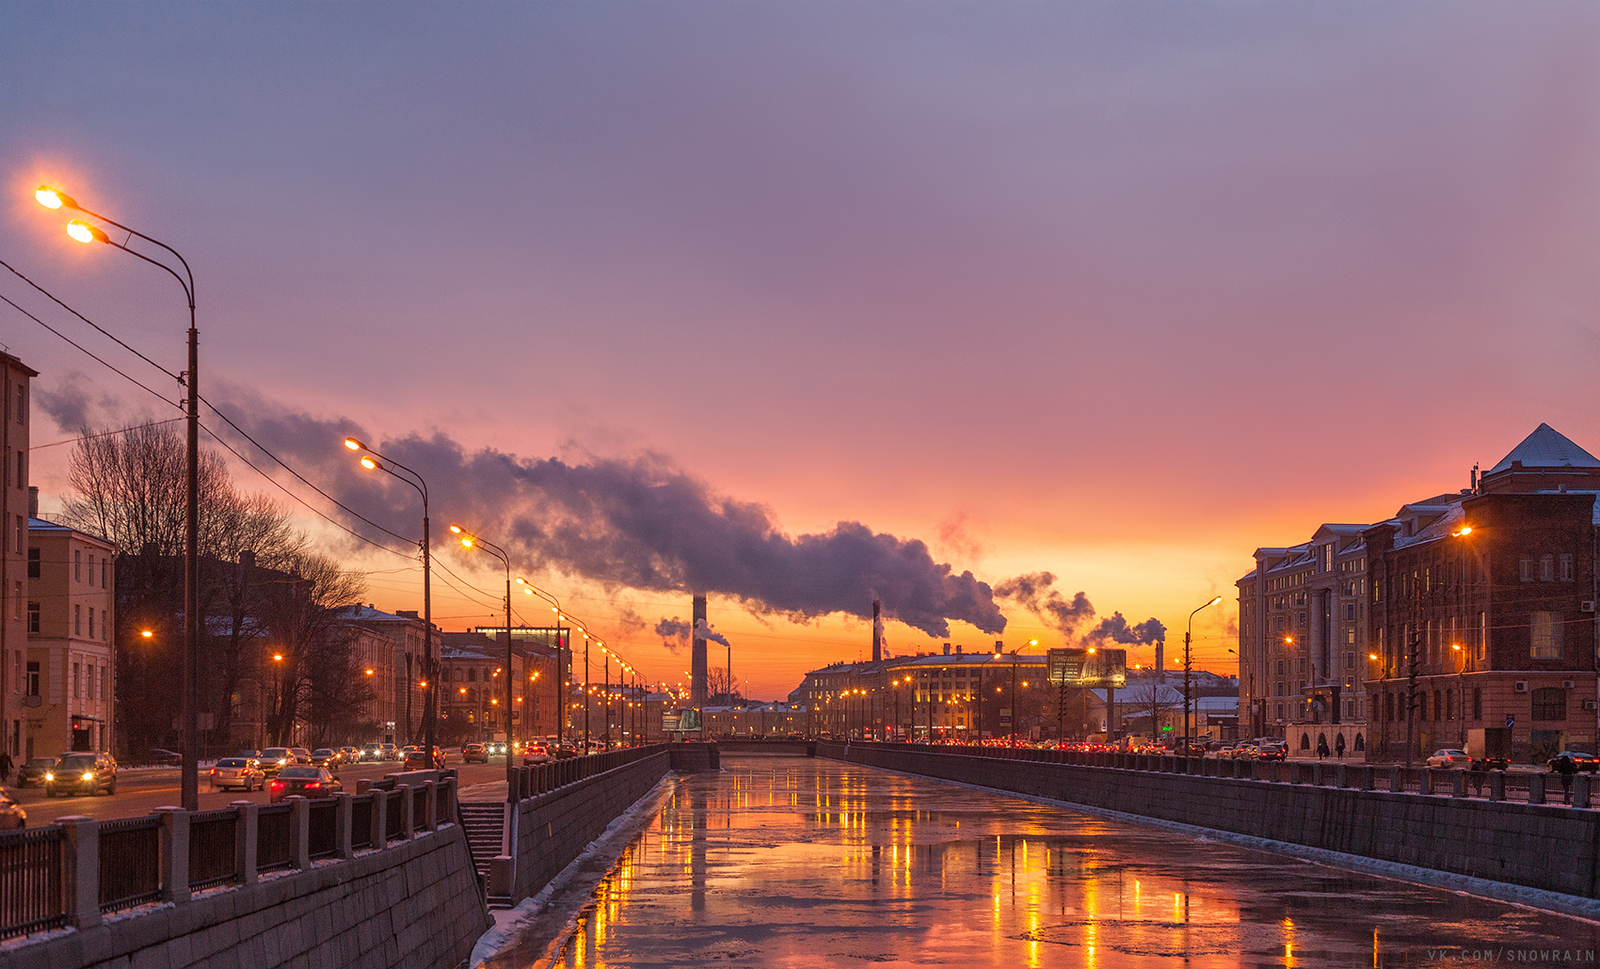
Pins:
x,y
674,633
703,630
637,522
1036,592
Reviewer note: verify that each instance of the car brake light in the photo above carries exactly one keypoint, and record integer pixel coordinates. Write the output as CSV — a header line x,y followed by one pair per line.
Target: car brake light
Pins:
x,y
213,772
277,785
313,785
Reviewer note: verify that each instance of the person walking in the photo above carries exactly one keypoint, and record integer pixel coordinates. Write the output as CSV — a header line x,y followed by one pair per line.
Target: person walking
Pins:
x,y
1566,767
5,767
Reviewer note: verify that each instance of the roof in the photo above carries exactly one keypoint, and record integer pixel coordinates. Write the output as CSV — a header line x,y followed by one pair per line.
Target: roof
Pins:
x,y
1547,448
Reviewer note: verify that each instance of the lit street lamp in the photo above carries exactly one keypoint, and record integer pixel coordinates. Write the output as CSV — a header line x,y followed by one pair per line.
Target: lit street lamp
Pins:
x,y
469,540
1188,635
373,461
86,232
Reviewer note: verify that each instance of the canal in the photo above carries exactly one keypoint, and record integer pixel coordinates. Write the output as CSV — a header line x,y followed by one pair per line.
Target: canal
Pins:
x,y
789,861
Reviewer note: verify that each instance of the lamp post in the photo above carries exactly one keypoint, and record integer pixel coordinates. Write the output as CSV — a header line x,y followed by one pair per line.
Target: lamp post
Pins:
x,y
373,461
528,588
1014,654
469,540
1188,636
86,232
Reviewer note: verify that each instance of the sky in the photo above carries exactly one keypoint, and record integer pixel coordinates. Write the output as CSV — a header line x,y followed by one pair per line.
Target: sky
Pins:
x,y
971,307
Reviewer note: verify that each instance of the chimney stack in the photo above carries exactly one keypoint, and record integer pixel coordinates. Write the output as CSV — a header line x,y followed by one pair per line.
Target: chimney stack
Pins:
x,y
999,646
877,631
697,682
947,649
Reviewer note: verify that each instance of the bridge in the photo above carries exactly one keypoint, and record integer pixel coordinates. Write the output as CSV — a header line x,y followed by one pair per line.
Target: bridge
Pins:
x,y
405,874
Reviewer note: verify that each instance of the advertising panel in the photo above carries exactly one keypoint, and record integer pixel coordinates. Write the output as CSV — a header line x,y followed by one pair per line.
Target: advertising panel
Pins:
x,y
1092,668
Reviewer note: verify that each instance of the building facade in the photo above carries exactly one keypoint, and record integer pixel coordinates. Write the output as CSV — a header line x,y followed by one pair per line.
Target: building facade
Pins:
x,y
15,379
69,673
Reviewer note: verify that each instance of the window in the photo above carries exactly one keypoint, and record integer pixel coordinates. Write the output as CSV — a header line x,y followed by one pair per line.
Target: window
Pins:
x,y
33,617
22,470
1477,703
1280,667
472,675
77,681
89,681
22,534
1566,567
35,566
1349,661
1547,568
1549,703
103,574
1526,565
1278,622
1350,636
33,678
1544,630
105,626
77,620
1300,619
17,410
1349,612
105,683
77,566
1422,706
91,622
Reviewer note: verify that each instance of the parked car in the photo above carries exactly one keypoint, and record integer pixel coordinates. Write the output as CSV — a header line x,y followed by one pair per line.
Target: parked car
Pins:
x,y
275,759
165,758
324,757
11,813
535,754
244,773
1272,751
305,781
417,759
32,773
474,754
80,772
1450,758
1579,759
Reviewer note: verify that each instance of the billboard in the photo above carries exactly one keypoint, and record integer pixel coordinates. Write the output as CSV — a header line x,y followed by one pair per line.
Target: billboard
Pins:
x,y
1093,668
680,721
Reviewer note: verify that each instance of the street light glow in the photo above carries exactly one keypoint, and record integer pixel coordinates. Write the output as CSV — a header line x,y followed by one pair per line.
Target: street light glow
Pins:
x,y
53,199
354,444
370,463
86,233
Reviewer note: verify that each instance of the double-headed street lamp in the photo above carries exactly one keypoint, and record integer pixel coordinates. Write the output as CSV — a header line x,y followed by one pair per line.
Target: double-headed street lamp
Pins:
x,y
528,588
87,232
1188,636
469,540
373,461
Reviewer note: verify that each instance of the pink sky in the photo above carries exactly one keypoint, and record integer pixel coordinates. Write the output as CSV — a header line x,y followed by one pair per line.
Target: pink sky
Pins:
x,y
1114,291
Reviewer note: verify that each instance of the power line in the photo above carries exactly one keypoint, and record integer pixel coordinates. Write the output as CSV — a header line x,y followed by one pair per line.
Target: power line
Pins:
x,y
87,352
92,323
91,437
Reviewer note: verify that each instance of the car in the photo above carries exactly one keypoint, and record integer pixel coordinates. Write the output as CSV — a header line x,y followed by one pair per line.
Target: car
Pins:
x,y
474,754
371,753
535,754
249,754
417,759
566,750
11,813
497,748
349,755
391,752
1272,751
304,780
81,772
1579,761
324,757
164,758
275,759
1450,758
244,773
32,773
302,756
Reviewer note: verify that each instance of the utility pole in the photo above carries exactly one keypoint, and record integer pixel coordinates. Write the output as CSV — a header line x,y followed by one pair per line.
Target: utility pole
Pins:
x,y
1414,662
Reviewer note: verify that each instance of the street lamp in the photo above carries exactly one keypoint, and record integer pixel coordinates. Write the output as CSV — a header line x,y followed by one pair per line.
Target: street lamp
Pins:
x,y
373,461
1188,635
528,588
1014,654
86,232
469,540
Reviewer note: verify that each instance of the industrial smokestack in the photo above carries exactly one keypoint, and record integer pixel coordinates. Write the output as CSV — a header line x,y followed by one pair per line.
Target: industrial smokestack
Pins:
x,y
877,631
697,671
999,646
1161,649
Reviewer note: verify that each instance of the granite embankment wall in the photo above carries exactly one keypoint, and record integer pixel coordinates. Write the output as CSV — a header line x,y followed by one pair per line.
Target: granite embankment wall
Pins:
x,y
413,903
553,828
1543,846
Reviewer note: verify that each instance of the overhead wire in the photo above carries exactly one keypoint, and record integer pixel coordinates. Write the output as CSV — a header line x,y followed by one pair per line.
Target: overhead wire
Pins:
x,y
52,297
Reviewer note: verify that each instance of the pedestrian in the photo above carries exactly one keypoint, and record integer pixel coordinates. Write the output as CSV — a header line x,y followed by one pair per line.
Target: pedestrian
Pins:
x,y
1322,746
1338,746
5,767
1566,767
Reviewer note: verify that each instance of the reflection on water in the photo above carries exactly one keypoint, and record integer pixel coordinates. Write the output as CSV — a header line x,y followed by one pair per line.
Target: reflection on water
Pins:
x,y
781,861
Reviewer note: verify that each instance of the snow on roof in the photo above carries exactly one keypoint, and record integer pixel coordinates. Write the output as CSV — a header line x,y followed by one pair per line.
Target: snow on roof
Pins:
x,y
1547,448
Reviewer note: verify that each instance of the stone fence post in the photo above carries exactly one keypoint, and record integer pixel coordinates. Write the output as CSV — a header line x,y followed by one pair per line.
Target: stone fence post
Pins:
x,y
344,815
299,831
246,835
174,853
82,863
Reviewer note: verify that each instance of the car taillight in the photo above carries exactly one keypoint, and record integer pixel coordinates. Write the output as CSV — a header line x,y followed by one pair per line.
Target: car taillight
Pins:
x,y
313,785
213,772
277,786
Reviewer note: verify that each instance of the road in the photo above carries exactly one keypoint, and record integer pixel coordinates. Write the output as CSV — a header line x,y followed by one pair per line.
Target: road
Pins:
x,y
141,790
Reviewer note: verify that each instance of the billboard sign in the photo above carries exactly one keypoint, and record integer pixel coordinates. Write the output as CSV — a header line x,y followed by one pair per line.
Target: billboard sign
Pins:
x,y
1092,668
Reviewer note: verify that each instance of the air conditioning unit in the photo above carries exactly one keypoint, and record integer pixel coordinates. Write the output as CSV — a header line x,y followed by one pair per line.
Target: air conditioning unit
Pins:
x,y
1568,684
1521,686
1588,704
1587,605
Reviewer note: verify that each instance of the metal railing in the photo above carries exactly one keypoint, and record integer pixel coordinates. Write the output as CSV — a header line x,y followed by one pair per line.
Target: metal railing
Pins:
x,y
32,881
274,838
135,879
213,848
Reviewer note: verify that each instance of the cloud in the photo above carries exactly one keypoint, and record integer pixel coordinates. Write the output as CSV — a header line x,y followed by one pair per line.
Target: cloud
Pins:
x,y
635,522
674,633
1117,630
1036,592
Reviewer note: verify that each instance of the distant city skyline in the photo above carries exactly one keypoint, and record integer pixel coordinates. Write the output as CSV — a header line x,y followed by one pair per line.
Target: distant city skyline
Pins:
x,y
802,304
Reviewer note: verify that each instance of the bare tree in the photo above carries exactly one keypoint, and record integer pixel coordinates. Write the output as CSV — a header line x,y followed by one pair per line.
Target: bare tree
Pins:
x,y
1151,699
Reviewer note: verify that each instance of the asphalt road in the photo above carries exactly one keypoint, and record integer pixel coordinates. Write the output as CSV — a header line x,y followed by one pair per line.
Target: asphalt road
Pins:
x,y
141,790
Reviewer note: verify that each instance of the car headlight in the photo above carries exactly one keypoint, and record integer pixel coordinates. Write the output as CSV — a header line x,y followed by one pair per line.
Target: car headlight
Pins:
x,y
88,776
49,776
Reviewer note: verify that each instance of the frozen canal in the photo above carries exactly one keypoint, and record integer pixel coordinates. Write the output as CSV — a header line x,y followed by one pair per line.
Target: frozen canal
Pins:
x,y
787,861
